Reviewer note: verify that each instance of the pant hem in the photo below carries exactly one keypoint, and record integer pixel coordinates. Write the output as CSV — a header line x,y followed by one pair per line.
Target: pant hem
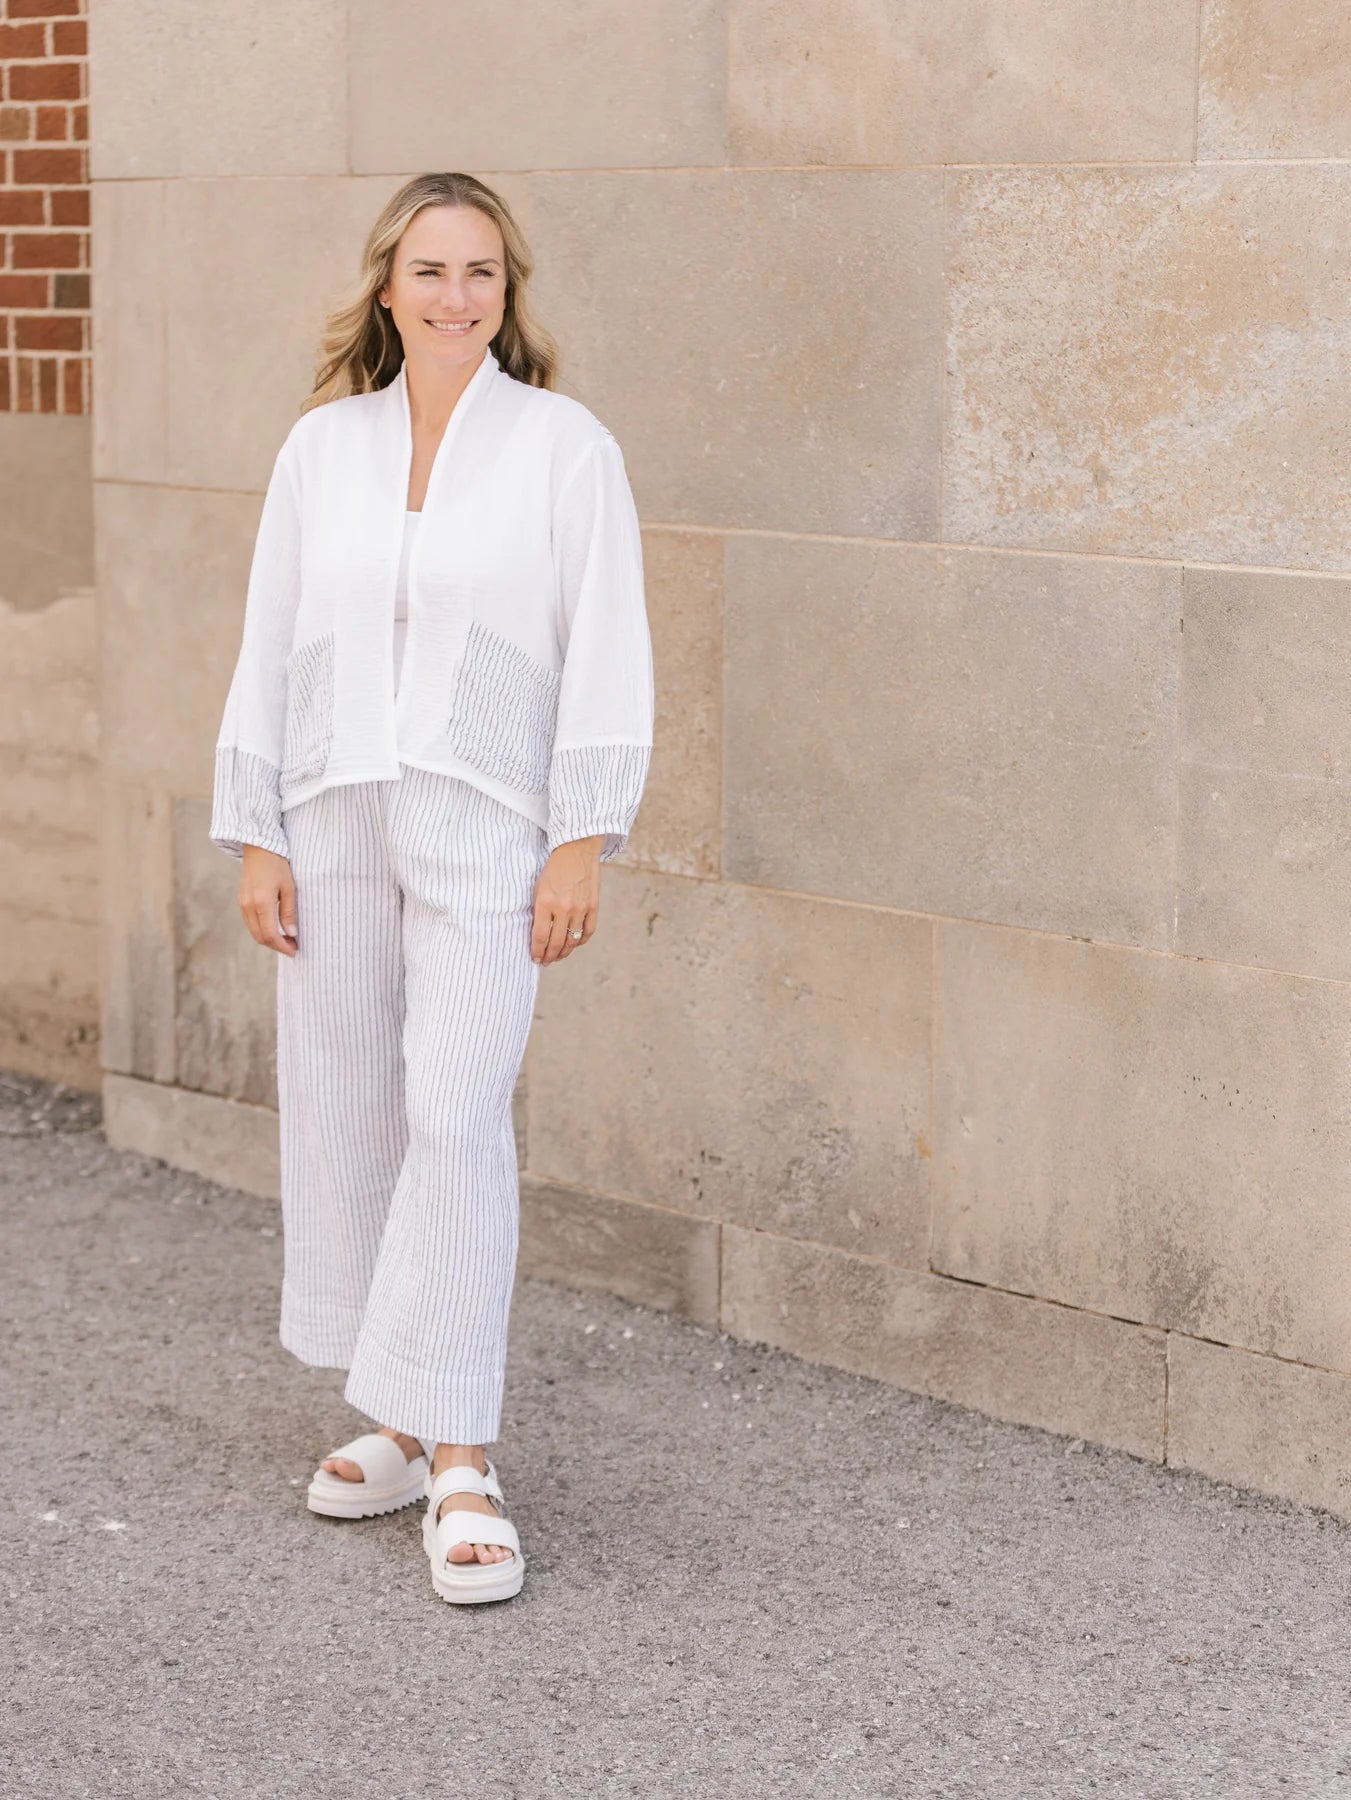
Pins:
x,y
322,1346
473,1417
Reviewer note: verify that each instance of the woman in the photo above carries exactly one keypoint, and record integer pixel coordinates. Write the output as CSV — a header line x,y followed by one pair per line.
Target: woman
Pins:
x,y
438,728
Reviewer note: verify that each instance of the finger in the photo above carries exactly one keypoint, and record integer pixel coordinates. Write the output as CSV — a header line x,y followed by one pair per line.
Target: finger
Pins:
x,y
571,943
267,930
286,908
558,938
585,922
249,916
539,932
549,952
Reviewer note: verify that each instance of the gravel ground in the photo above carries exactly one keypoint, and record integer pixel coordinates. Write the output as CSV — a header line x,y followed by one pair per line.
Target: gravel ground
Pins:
x,y
746,1576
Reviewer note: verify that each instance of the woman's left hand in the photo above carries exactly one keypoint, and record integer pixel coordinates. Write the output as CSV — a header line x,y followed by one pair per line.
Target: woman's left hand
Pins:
x,y
567,898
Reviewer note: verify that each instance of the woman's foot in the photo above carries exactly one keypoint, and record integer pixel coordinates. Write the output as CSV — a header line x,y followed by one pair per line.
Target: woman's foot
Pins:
x,y
448,1456
350,1471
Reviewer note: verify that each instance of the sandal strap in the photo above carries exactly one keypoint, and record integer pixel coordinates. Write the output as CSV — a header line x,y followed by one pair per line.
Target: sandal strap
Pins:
x,y
380,1459
463,1478
375,1455
459,1526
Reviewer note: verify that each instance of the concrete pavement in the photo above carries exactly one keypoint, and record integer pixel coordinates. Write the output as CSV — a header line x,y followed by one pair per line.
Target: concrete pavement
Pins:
x,y
746,1576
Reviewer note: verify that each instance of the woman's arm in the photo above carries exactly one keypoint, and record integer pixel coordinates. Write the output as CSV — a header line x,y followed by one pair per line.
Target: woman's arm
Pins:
x,y
246,797
603,737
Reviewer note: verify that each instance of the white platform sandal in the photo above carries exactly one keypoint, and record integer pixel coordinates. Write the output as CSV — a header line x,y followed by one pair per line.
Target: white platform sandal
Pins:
x,y
467,1582
391,1479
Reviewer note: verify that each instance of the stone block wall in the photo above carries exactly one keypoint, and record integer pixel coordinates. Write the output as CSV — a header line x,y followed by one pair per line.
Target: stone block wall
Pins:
x,y
972,1005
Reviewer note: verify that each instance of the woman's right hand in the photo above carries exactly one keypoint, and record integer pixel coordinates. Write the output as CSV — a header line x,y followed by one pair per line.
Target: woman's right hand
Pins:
x,y
267,899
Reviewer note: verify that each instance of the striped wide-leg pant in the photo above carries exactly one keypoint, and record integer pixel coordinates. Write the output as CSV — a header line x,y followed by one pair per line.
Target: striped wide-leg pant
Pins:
x,y
402,1024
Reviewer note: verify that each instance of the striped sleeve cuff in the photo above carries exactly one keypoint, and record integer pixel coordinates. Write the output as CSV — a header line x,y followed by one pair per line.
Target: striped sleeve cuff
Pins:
x,y
595,789
246,804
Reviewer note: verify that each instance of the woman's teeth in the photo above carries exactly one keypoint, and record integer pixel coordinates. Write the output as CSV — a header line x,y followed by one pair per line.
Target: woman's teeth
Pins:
x,y
437,325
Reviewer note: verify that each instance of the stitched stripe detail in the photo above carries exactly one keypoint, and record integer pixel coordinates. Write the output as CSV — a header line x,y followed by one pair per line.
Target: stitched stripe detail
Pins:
x,y
596,788
504,710
246,803
309,711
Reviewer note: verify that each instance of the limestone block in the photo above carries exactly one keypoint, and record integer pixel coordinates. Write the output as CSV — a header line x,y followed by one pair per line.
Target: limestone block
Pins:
x,y
1150,362
765,344
129,368
239,88
732,1054
1274,76
1279,1427
598,83
960,732
1264,836
1158,1138
1014,1358
647,1254
136,930
678,828
964,81
225,1140
225,982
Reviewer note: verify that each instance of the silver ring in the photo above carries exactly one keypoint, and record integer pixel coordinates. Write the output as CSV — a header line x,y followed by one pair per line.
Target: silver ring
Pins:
x,y
574,934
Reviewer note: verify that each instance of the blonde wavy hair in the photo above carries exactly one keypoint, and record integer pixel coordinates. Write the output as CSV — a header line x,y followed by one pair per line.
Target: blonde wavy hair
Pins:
x,y
361,350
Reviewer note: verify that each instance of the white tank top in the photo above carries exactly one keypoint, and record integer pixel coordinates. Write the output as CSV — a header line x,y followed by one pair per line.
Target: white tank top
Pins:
x,y
401,592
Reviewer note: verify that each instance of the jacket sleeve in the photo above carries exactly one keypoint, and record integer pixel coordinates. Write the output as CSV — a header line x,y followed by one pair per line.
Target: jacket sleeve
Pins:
x,y
603,738
246,797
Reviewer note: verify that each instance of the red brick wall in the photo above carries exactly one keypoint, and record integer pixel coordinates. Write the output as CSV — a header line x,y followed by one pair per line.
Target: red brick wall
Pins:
x,y
44,206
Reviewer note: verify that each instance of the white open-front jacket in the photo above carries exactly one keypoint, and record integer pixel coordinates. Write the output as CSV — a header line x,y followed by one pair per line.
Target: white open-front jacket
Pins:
x,y
527,666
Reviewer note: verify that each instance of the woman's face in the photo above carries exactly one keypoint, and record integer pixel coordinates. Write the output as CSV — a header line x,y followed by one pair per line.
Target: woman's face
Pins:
x,y
449,271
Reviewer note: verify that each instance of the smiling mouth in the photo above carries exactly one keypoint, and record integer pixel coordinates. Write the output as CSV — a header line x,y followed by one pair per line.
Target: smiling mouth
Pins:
x,y
452,325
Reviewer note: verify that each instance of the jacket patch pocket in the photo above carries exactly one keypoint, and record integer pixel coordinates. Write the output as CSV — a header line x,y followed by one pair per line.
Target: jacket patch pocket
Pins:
x,y
309,711
504,710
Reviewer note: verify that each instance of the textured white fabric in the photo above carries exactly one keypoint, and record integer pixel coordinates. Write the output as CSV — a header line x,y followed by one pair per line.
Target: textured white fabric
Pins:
x,y
410,519
402,1023
526,665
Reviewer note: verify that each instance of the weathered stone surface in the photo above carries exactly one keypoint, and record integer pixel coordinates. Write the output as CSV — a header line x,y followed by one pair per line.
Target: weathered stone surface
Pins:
x,y
129,369
595,84
46,568
741,1055
964,81
225,982
954,732
1015,1358
162,75
49,998
1274,78
1264,836
173,571
678,828
48,834
136,947
225,1140
1158,1138
648,1254
1150,362
740,400
1279,1427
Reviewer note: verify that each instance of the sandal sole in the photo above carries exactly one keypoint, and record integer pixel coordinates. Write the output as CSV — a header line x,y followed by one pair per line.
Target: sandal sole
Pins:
x,y
333,1506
